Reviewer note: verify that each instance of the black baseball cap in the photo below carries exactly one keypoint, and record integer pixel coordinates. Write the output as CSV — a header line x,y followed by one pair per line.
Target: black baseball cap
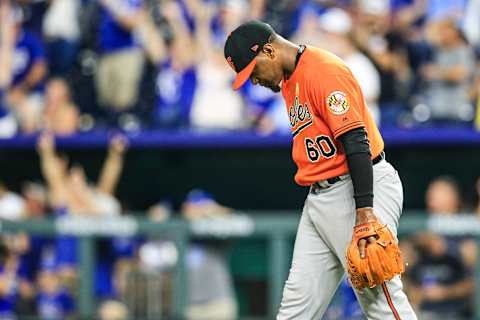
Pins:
x,y
243,45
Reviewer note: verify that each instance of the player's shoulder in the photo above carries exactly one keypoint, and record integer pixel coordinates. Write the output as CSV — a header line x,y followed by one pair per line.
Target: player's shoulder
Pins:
x,y
321,63
326,75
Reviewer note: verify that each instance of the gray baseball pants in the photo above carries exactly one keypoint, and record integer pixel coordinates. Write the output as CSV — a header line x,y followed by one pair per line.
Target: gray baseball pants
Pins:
x,y
324,232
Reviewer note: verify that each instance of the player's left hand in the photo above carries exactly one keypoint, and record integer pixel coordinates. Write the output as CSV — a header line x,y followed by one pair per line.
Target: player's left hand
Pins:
x,y
365,215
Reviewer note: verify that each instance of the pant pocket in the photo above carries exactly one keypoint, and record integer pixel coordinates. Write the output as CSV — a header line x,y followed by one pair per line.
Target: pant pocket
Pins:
x,y
388,198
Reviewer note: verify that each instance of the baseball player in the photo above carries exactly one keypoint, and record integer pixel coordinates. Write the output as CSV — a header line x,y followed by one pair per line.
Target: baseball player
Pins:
x,y
339,154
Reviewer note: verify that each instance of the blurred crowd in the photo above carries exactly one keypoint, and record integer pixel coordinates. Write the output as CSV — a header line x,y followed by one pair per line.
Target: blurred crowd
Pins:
x,y
81,65
133,275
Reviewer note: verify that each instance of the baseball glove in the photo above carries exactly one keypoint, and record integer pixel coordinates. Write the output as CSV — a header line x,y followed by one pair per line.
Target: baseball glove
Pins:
x,y
382,259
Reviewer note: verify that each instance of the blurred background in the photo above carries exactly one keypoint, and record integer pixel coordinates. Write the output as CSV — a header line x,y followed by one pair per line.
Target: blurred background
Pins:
x,y
135,184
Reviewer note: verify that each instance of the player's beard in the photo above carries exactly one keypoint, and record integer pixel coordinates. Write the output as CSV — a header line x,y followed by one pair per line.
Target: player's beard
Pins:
x,y
274,87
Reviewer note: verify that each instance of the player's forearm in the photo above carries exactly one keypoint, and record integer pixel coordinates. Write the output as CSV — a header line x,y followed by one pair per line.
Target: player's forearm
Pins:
x,y
361,173
357,150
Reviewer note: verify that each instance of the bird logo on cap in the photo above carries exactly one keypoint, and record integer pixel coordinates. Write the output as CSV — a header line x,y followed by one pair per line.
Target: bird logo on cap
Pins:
x,y
231,64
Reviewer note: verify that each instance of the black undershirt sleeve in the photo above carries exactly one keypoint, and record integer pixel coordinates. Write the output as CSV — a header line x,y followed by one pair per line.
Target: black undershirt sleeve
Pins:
x,y
357,149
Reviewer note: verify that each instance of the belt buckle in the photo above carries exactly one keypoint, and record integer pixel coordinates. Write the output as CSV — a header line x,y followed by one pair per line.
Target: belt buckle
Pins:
x,y
316,187
323,184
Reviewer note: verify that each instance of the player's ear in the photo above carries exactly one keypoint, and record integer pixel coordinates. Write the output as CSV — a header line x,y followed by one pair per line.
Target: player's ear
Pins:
x,y
269,50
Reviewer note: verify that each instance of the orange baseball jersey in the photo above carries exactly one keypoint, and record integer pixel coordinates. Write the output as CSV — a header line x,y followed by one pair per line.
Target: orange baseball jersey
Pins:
x,y
324,101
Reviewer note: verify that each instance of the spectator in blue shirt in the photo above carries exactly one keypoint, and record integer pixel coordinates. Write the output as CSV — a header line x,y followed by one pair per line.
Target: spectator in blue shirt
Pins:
x,y
114,261
15,289
175,90
54,302
120,66
21,271
7,297
176,80
29,70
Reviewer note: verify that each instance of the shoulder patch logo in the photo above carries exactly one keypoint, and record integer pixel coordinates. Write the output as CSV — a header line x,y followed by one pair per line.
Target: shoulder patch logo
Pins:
x,y
337,102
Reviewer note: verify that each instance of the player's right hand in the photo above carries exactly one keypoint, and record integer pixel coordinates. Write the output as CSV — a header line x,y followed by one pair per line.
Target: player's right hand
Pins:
x,y
365,215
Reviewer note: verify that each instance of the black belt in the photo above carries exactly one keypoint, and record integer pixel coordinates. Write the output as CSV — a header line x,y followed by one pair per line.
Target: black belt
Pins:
x,y
330,181
378,158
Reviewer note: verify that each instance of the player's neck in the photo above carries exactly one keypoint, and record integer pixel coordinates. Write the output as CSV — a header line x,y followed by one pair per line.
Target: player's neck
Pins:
x,y
289,58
